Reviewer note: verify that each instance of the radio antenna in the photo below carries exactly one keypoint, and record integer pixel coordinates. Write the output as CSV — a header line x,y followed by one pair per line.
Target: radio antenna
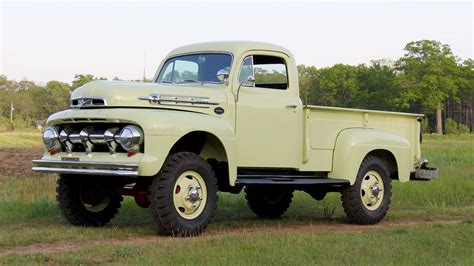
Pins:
x,y
144,65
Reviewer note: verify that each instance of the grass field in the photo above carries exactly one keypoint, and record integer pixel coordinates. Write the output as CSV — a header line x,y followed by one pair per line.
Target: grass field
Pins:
x,y
428,223
20,139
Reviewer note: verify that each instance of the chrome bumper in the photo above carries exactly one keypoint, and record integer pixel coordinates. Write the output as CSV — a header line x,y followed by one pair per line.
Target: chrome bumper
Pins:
x,y
85,168
424,172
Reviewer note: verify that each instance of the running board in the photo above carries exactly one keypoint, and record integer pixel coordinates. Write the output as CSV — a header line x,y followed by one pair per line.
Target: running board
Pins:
x,y
289,180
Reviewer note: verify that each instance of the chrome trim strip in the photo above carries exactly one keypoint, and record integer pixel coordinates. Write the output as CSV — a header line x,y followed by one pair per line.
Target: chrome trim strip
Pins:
x,y
155,98
86,168
118,166
86,171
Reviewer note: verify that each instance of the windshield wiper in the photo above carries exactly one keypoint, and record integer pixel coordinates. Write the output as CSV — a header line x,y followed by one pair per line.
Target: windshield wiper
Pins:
x,y
190,81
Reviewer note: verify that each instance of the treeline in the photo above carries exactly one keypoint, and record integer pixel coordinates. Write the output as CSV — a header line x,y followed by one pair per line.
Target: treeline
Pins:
x,y
428,79
24,103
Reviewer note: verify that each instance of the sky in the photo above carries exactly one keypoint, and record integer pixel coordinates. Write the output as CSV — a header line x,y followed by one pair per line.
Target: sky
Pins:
x,y
44,41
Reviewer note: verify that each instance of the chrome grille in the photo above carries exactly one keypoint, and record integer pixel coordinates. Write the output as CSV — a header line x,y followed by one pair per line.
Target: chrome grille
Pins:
x,y
91,138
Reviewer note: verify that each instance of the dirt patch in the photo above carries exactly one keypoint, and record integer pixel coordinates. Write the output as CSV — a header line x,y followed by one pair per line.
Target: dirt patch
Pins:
x,y
16,162
61,247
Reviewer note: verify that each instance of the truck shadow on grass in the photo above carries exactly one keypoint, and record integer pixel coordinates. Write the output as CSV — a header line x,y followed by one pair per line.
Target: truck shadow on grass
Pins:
x,y
232,213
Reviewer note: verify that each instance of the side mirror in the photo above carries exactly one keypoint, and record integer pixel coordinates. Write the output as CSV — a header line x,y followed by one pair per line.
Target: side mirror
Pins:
x,y
250,81
223,75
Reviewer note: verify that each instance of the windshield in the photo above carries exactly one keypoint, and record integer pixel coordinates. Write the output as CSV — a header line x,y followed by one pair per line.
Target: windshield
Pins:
x,y
194,68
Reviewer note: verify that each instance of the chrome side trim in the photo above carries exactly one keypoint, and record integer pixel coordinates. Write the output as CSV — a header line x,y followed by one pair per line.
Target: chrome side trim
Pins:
x,y
86,168
173,100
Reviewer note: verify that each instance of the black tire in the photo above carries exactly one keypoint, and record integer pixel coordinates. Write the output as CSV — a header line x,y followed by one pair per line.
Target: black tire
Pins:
x,y
86,202
268,201
351,197
169,219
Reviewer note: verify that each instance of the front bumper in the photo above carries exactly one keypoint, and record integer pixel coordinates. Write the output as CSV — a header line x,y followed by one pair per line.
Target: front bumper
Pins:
x,y
86,168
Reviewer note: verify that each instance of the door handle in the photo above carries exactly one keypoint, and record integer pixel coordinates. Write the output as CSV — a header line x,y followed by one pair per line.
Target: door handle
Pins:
x,y
292,106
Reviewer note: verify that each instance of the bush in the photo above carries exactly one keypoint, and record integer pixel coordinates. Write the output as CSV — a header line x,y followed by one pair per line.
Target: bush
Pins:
x,y
20,123
452,127
5,124
463,129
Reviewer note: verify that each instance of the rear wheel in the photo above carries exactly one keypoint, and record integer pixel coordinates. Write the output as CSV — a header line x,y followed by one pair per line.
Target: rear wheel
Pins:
x,y
86,202
368,200
183,195
268,202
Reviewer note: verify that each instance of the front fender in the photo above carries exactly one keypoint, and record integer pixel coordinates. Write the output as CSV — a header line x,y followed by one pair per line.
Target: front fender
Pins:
x,y
352,145
162,129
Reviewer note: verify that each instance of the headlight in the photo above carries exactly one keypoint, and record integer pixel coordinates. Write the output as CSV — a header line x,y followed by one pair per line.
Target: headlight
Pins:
x,y
130,138
51,138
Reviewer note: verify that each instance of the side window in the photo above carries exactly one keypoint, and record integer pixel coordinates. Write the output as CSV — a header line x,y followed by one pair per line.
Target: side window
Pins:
x,y
166,75
246,70
270,72
185,71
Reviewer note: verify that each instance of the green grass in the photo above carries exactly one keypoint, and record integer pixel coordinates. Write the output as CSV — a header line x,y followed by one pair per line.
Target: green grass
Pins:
x,y
443,231
23,139
436,244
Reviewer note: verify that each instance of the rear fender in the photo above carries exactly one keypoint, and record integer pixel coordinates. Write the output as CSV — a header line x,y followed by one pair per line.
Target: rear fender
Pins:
x,y
353,145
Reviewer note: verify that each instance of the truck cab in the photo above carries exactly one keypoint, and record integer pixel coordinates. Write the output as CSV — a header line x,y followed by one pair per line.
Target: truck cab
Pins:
x,y
222,116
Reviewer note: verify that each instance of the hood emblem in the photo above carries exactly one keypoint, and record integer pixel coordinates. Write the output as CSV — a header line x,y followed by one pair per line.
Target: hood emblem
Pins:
x,y
178,100
90,101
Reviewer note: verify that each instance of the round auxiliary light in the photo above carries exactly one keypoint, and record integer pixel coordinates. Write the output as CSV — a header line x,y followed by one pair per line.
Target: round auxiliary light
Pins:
x,y
51,138
130,138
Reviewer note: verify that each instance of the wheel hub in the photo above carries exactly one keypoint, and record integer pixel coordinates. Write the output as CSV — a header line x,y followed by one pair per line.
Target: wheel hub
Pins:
x,y
375,190
190,195
94,198
193,194
371,190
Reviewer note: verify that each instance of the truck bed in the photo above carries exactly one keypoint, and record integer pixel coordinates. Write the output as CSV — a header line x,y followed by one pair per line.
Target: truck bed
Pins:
x,y
324,124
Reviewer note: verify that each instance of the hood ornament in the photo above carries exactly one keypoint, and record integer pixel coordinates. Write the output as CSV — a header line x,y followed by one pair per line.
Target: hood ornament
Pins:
x,y
88,101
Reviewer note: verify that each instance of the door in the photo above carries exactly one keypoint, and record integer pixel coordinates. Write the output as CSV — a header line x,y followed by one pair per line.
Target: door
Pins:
x,y
268,115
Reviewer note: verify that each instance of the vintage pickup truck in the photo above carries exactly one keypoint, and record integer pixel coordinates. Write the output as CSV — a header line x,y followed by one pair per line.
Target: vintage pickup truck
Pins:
x,y
222,116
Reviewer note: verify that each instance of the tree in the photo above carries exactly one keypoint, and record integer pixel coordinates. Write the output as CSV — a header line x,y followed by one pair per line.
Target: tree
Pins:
x,y
466,81
308,77
338,86
81,79
428,74
379,87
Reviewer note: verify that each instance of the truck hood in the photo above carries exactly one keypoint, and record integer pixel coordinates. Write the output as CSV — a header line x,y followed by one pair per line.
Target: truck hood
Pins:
x,y
203,98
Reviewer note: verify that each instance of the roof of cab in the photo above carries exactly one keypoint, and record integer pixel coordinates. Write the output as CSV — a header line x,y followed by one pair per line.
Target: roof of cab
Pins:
x,y
234,47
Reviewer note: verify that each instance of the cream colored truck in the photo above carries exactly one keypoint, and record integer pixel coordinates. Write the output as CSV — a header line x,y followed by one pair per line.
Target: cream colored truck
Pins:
x,y
219,117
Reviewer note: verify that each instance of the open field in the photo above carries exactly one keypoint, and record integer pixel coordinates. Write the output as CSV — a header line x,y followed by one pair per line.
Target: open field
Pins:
x,y
428,222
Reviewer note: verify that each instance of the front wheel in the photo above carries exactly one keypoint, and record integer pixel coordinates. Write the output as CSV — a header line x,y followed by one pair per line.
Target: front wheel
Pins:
x,y
368,200
183,195
87,202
